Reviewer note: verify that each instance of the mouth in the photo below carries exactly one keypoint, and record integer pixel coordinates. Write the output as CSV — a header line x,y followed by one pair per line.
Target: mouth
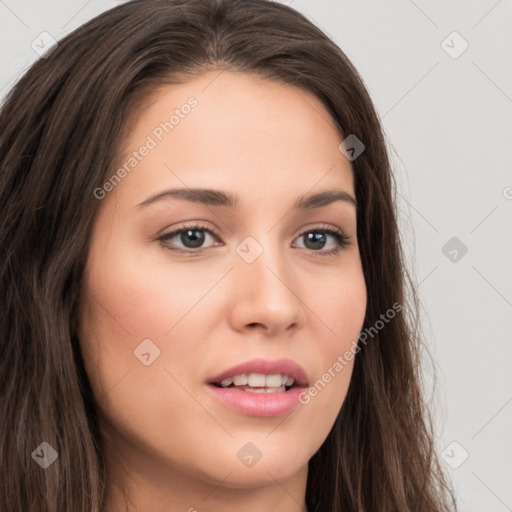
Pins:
x,y
252,383
260,387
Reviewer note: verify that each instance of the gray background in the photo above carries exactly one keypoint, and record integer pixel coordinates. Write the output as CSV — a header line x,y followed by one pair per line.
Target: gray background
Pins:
x,y
448,119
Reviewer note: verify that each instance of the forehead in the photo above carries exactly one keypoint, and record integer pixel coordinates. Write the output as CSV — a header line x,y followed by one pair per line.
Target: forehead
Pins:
x,y
225,130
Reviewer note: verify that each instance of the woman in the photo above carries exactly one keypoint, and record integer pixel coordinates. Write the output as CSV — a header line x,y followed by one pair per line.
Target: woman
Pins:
x,y
202,278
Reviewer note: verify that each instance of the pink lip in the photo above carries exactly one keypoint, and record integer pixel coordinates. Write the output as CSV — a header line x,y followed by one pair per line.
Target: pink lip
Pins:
x,y
257,404
260,404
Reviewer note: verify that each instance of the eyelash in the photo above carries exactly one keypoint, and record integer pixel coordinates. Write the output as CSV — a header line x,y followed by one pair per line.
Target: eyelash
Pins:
x,y
342,240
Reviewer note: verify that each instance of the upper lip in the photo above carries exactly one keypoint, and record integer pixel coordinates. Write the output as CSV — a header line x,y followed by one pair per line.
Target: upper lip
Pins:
x,y
267,367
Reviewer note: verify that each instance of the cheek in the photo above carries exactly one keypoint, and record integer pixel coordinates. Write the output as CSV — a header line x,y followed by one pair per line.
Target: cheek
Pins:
x,y
339,307
139,297
339,311
131,298
127,303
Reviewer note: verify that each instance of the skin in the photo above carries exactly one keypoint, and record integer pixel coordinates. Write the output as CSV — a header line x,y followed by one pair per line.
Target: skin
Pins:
x,y
169,444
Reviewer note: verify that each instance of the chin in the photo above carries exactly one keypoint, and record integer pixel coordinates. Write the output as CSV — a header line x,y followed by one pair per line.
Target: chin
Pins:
x,y
257,476
275,465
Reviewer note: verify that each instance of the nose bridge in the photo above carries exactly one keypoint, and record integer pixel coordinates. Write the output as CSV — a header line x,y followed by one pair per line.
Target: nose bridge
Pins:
x,y
262,262
267,295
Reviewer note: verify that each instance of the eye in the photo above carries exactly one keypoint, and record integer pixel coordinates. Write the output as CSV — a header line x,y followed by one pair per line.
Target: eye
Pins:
x,y
316,239
193,237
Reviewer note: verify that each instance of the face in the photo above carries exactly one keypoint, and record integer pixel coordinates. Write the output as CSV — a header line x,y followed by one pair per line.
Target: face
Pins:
x,y
163,311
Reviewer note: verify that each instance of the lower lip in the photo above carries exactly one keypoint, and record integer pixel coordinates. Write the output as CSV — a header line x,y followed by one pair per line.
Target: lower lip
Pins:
x,y
268,405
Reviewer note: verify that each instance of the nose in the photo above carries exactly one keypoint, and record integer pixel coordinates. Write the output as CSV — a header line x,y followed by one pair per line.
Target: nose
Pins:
x,y
267,297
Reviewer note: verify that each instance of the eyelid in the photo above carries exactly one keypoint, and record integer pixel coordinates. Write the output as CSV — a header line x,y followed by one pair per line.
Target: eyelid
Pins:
x,y
321,227
199,225
205,226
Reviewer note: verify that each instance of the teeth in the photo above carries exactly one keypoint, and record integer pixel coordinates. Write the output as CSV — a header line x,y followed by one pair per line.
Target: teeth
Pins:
x,y
259,380
273,381
240,380
226,382
256,380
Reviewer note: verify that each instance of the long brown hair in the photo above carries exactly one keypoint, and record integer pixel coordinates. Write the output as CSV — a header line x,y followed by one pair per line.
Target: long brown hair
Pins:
x,y
60,130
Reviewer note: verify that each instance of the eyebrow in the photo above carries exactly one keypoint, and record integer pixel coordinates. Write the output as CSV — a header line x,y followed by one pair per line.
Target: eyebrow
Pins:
x,y
219,198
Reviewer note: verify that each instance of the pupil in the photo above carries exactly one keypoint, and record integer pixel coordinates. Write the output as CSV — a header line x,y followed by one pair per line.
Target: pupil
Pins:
x,y
317,238
196,237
